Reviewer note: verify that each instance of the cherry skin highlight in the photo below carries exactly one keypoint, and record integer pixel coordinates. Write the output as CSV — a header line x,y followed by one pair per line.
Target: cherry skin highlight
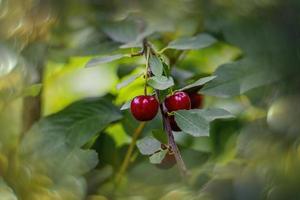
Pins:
x,y
196,100
144,108
178,101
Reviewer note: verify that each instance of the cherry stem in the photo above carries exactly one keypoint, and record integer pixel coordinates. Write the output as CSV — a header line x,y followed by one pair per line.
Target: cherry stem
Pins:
x,y
147,69
166,122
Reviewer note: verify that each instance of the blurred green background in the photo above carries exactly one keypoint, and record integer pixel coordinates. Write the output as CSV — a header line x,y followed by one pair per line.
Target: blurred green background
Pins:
x,y
44,47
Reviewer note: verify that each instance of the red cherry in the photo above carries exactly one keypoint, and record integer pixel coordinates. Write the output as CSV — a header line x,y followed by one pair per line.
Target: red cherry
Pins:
x,y
178,101
196,100
144,108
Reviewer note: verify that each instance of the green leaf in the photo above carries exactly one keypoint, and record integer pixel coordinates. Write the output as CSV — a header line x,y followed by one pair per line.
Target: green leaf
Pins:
x,y
202,144
33,90
197,42
192,123
121,31
148,145
104,59
237,78
128,80
156,65
158,157
161,82
213,113
199,82
160,135
196,121
126,105
80,121
166,69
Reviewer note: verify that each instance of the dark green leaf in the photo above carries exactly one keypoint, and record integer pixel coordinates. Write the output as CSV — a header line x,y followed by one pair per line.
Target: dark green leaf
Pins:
x,y
121,31
148,145
197,42
158,157
156,65
161,82
192,123
160,135
237,78
104,59
199,82
166,69
128,80
80,121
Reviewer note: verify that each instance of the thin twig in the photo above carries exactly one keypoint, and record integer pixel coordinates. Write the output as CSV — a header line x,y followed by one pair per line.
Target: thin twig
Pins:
x,y
171,140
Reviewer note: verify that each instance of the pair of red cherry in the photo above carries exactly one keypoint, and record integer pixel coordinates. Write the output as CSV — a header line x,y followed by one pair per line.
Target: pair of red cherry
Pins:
x,y
145,108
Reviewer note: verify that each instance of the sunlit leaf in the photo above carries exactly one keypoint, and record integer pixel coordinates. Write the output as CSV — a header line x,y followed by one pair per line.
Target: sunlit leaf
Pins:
x,y
197,42
117,132
148,145
33,90
158,157
156,65
128,80
161,82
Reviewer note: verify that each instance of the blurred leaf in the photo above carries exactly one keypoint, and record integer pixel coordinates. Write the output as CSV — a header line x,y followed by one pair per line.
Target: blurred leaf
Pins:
x,y
236,78
199,82
6,192
213,113
8,60
160,135
202,144
121,31
119,135
161,82
104,59
69,82
126,105
192,123
128,80
148,145
158,157
81,120
33,90
156,65
197,42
